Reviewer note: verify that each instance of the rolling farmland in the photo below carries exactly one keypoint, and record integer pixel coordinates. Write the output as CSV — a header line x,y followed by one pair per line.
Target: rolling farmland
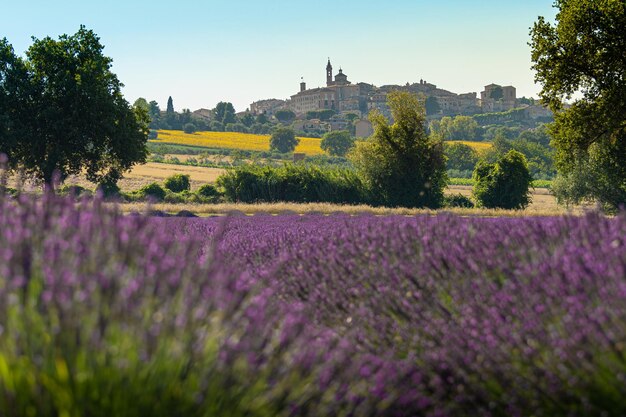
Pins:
x,y
252,142
232,140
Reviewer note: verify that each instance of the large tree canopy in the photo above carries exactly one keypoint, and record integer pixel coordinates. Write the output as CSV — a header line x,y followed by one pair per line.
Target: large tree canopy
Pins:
x,y
583,58
401,163
62,110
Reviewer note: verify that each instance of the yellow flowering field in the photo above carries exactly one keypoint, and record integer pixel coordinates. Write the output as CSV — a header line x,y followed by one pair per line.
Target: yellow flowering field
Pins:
x,y
477,146
232,140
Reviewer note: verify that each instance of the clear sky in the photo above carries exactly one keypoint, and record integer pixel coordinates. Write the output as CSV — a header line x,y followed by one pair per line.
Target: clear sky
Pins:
x,y
203,52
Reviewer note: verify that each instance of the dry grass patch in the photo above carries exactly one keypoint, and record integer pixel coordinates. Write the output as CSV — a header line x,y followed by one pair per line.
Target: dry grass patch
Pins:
x,y
326,208
542,200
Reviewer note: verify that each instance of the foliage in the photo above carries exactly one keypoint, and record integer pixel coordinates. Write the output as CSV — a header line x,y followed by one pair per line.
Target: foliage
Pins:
x,y
73,190
208,191
401,164
516,115
540,158
285,116
460,156
320,114
155,110
153,191
142,104
459,128
67,111
503,184
337,143
224,113
170,105
457,200
178,183
283,140
432,106
153,134
108,188
496,93
189,128
292,183
582,56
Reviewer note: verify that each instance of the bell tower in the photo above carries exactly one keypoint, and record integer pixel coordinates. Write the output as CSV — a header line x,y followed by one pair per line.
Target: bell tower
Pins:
x,y
329,73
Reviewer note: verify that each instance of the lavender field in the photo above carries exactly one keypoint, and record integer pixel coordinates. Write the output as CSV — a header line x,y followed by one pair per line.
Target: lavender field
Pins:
x,y
109,315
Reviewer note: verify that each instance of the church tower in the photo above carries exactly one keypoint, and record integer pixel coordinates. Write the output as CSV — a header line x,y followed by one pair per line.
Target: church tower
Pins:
x,y
329,74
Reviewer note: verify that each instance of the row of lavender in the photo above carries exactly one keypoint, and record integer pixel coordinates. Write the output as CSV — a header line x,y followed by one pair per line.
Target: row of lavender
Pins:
x,y
104,314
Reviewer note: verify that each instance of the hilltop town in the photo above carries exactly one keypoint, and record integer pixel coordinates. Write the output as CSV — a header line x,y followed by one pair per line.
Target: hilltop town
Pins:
x,y
351,103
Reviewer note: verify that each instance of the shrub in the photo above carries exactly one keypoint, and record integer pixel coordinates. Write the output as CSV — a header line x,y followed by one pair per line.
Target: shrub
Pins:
x,y
189,128
178,183
503,184
153,191
176,198
108,189
208,190
457,200
292,183
74,190
153,134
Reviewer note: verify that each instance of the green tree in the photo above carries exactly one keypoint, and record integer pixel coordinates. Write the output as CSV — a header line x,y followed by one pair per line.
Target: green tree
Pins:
x,y
496,93
283,140
189,128
217,126
14,106
154,112
460,156
285,116
582,56
142,104
457,128
503,184
225,113
70,113
432,106
401,164
170,105
463,128
178,183
247,119
337,143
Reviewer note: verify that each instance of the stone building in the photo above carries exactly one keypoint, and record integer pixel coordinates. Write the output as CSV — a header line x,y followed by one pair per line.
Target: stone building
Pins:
x,y
267,107
496,98
339,94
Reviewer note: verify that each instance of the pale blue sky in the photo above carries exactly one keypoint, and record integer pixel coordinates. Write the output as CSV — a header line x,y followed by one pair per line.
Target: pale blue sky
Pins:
x,y
202,52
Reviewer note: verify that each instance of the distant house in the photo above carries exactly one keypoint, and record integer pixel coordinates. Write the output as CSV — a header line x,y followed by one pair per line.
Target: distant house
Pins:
x,y
496,98
204,114
267,107
313,125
